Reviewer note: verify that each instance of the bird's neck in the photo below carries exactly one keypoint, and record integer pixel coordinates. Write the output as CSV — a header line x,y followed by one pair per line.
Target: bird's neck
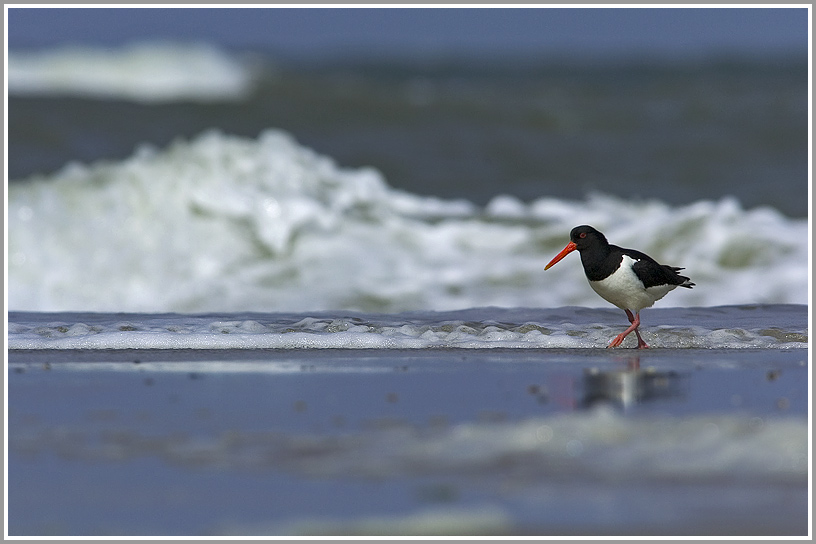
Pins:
x,y
596,261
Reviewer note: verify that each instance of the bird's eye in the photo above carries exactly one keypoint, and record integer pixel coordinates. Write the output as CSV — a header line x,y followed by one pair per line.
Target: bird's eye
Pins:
x,y
582,235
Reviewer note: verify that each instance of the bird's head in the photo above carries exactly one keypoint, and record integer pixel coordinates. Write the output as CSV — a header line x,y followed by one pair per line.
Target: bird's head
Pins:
x,y
581,238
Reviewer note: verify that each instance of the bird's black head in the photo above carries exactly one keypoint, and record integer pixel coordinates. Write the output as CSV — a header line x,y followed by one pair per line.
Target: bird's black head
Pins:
x,y
585,237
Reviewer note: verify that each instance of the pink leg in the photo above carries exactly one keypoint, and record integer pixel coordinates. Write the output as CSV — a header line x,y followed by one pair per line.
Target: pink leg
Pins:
x,y
635,323
641,343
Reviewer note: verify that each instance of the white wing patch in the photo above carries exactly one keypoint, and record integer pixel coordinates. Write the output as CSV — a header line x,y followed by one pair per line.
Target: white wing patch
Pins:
x,y
626,291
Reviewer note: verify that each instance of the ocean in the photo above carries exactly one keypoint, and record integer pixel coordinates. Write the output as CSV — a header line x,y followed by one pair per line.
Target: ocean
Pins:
x,y
391,188
254,296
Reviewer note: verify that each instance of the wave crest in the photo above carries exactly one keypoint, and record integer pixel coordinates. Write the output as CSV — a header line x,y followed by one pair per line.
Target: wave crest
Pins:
x,y
223,223
142,72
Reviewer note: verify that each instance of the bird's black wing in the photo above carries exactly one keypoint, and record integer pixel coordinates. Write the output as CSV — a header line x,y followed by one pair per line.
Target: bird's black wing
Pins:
x,y
652,273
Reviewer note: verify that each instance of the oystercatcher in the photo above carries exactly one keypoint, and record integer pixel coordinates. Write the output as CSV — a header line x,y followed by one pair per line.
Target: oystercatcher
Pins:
x,y
627,278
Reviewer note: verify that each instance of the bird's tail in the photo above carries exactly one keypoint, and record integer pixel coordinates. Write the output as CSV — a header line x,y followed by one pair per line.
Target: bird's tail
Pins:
x,y
683,281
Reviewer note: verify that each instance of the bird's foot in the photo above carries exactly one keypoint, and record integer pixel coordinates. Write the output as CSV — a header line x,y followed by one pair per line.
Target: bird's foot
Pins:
x,y
617,341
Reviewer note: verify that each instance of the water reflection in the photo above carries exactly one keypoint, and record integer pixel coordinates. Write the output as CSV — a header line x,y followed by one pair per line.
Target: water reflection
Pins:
x,y
629,387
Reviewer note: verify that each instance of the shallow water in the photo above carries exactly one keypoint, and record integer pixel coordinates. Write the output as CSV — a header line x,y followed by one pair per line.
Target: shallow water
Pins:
x,y
763,326
408,441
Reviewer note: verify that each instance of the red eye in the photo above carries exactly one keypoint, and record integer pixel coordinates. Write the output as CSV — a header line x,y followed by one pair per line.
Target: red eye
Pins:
x,y
582,235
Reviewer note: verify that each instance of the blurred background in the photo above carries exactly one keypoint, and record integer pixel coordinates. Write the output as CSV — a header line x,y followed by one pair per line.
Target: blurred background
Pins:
x,y
496,108
681,103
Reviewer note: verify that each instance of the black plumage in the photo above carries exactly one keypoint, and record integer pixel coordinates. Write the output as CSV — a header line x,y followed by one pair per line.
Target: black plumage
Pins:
x,y
601,259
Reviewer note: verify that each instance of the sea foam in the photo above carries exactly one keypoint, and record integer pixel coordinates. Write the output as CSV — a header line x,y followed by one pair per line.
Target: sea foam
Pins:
x,y
231,224
734,327
142,72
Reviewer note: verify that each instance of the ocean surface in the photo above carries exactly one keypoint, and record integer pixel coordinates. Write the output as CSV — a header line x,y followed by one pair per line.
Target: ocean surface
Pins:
x,y
778,327
186,178
253,296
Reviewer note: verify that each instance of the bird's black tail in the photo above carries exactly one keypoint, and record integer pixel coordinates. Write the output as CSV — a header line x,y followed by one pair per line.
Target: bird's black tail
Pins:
x,y
680,280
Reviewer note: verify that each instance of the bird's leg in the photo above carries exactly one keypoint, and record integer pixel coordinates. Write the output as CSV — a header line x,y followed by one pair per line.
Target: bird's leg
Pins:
x,y
641,343
635,323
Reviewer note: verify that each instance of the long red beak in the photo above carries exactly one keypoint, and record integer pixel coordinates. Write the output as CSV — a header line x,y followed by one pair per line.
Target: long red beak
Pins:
x,y
564,252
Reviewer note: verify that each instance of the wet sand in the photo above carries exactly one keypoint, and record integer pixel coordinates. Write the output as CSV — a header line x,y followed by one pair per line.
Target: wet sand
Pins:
x,y
277,442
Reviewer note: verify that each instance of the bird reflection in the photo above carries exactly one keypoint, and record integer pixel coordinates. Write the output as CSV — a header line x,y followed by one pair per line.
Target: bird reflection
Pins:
x,y
626,388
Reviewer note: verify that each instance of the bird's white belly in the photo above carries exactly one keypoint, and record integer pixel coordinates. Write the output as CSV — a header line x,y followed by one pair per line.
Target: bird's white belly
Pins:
x,y
626,291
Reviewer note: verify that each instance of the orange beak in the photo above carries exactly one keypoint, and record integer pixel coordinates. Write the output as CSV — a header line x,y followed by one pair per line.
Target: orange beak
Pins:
x,y
564,252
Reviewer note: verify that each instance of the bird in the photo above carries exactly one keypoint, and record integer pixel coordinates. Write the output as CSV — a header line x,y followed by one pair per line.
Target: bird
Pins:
x,y
627,278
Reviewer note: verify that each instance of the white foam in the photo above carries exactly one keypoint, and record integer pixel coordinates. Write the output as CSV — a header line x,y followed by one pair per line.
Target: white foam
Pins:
x,y
142,72
223,223
409,331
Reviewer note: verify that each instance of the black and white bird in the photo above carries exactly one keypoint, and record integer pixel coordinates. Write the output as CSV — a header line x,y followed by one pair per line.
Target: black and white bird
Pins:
x,y
627,278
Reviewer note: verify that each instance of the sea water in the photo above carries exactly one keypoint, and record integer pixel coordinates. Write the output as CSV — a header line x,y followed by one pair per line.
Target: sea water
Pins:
x,y
391,188
225,223
677,130
737,327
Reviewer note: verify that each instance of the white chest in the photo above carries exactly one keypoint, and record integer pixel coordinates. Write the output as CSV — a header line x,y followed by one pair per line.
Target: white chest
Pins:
x,y
626,291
